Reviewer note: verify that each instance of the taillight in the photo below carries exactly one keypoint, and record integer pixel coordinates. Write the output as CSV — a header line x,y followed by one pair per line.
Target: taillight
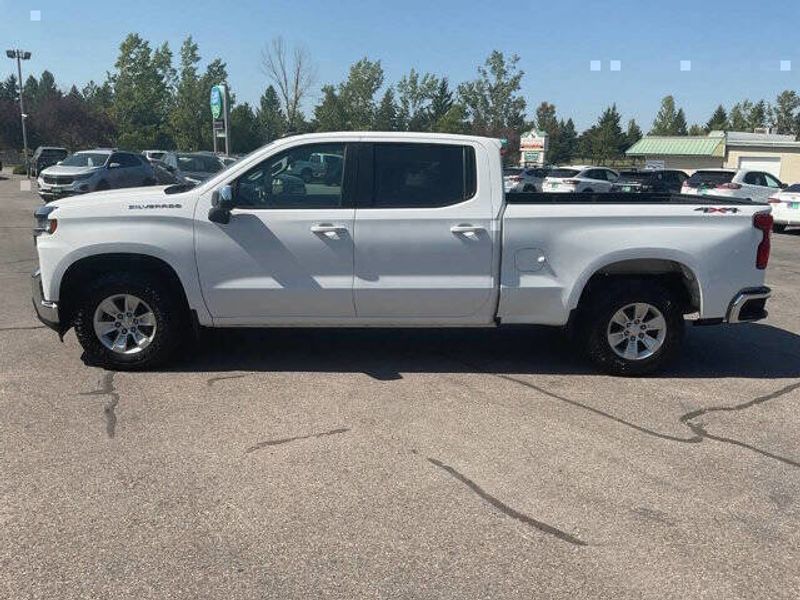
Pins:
x,y
729,186
774,200
763,222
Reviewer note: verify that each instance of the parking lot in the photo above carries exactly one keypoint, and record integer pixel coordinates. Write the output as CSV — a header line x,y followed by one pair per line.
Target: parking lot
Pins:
x,y
397,464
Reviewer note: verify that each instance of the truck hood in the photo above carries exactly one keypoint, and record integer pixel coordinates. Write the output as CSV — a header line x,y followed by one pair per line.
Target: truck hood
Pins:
x,y
62,170
121,197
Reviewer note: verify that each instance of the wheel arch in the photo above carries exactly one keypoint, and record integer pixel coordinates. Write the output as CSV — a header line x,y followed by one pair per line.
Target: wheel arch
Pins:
x,y
673,271
79,273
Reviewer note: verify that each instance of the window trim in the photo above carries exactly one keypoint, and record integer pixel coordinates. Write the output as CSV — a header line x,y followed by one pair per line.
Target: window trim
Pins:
x,y
349,161
365,194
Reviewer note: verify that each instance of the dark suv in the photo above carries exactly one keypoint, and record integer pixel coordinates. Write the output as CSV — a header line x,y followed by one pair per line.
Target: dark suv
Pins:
x,y
665,181
46,156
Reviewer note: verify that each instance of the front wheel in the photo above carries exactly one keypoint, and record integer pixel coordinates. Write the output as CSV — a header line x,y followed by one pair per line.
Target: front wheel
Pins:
x,y
777,228
129,322
632,327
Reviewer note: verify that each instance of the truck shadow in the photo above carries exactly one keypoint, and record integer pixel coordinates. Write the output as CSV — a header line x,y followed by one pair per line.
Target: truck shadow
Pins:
x,y
746,350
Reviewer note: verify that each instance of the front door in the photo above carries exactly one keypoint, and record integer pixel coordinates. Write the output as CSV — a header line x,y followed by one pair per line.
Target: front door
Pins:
x,y
287,253
424,239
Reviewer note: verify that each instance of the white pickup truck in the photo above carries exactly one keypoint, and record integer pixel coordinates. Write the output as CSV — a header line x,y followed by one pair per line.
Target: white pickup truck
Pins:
x,y
413,231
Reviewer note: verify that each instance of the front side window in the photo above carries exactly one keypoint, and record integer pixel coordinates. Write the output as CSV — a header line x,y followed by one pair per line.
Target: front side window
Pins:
x,y
286,180
86,159
422,175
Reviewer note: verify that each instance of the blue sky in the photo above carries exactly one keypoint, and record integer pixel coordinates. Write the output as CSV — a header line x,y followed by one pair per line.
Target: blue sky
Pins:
x,y
735,46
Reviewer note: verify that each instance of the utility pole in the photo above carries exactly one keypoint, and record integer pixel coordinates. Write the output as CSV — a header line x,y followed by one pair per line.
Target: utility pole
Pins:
x,y
21,55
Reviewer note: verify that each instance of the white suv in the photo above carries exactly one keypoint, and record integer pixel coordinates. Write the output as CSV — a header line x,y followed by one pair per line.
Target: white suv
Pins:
x,y
523,179
786,208
580,179
756,186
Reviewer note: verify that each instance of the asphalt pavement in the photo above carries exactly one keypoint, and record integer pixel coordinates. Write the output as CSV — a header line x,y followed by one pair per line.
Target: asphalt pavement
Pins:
x,y
299,463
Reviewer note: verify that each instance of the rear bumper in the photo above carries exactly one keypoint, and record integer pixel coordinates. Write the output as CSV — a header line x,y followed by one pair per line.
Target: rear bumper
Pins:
x,y
749,305
46,310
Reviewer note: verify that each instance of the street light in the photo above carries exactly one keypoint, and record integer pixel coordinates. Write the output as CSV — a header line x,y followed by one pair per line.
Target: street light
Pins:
x,y
21,55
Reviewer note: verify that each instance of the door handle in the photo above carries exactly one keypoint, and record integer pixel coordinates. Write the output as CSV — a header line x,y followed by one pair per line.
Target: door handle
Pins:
x,y
465,229
328,229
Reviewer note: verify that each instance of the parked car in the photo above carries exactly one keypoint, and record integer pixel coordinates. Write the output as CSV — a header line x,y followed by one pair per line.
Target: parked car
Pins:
x,y
94,170
163,175
153,155
524,179
755,186
419,237
786,208
192,167
663,181
579,179
46,156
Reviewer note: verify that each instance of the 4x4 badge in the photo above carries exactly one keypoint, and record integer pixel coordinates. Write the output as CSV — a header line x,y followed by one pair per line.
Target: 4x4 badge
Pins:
x,y
718,209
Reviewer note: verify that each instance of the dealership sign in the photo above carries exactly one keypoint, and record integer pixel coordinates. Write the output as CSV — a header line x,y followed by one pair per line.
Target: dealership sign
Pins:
x,y
216,101
533,147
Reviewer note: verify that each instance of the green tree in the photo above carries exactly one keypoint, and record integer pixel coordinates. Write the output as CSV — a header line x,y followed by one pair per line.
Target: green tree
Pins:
x,y
330,115
188,117
386,117
633,134
442,102
245,129
759,115
697,130
607,139
415,96
665,121
564,147
739,116
358,93
141,95
453,121
271,119
680,123
787,105
492,101
718,120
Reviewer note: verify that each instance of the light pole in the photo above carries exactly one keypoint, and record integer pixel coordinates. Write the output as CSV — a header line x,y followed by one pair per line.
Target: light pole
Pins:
x,y
21,55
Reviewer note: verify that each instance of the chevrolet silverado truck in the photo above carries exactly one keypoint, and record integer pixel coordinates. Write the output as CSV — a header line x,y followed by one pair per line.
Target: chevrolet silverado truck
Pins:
x,y
414,231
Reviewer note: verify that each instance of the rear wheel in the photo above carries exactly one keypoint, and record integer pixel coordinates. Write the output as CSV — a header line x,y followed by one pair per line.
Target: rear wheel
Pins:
x,y
632,327
129,322
102,185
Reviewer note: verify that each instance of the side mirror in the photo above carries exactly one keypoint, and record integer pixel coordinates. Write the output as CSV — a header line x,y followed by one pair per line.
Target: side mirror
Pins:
x,y
114,165
784,186
221,205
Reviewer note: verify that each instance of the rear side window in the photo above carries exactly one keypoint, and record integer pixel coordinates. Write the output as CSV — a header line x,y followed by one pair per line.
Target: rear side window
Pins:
x,y
709,178
563,173
422,175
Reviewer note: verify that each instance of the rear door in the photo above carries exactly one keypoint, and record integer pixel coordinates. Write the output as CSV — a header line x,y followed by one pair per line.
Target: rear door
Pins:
x,y
424,240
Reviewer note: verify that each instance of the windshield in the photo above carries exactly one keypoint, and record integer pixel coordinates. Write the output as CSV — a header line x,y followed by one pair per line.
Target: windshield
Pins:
x,y
199,163
637,176
562,173
512,172
86,159
709,178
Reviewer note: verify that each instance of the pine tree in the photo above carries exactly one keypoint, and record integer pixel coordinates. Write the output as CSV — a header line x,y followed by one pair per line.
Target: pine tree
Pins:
x,y
786,113
271,119
680,123
664,123
718,121
633,134
386,118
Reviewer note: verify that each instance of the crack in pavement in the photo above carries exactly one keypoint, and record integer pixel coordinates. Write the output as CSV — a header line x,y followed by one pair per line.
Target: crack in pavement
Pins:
x,y
507,510
277,442
210,382
23,328
107,389
697,429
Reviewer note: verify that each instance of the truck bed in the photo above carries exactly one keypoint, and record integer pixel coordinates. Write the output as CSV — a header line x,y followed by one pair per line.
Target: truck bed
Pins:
x,y
622,198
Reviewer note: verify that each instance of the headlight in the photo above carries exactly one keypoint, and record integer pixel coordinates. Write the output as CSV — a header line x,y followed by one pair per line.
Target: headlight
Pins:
x,y
44,224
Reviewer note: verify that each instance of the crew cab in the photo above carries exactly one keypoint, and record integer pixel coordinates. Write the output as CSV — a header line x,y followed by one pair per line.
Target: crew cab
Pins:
x,y
416,231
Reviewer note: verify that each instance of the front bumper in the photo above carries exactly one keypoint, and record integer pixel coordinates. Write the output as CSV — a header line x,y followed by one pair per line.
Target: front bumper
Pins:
x,y
749,305
46,310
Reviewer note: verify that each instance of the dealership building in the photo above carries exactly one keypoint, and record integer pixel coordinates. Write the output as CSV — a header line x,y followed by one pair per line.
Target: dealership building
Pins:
x,y
773,153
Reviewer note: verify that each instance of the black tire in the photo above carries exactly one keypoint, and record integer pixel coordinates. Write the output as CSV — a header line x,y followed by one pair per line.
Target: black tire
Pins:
x,y
148,182
603,304
588,191
307,175
170,316
778,228
529,188
102,185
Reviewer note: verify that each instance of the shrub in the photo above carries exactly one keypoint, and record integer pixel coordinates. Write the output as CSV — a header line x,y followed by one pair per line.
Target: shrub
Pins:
x,y
19,170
